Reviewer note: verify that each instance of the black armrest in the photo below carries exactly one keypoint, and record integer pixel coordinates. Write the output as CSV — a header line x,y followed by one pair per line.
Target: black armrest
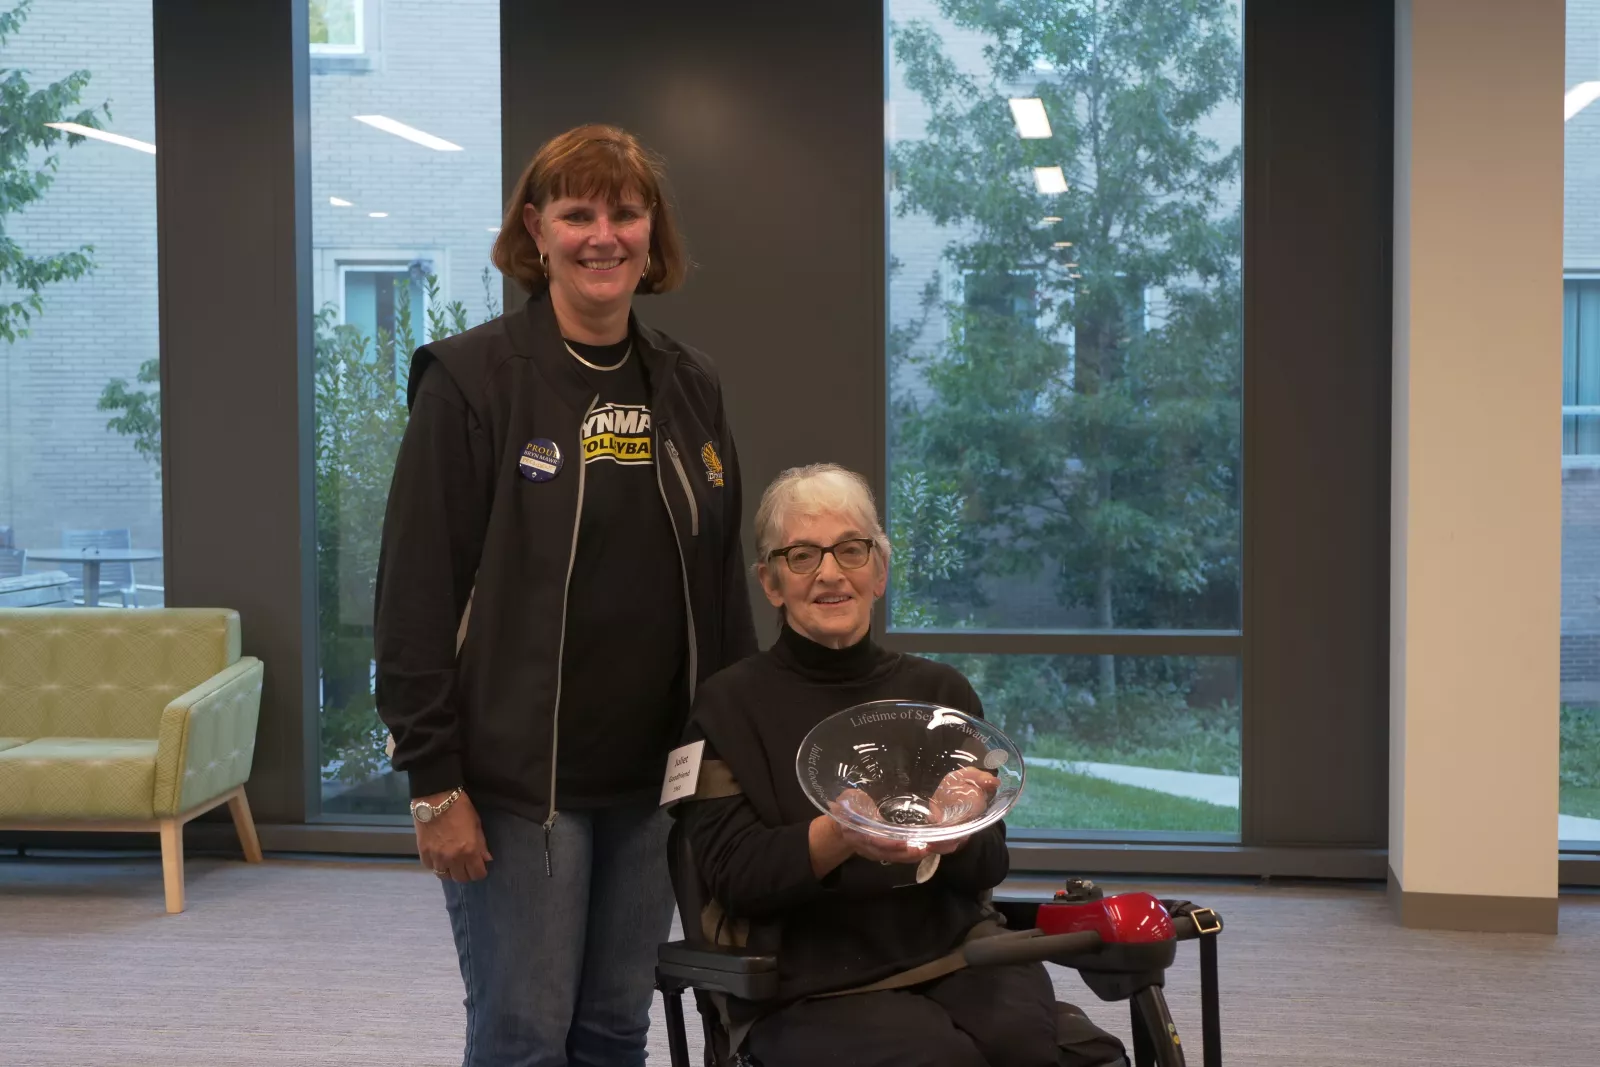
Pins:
x,y
718,969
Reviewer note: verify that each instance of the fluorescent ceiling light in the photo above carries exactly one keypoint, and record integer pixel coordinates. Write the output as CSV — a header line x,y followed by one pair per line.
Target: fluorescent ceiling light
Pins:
x,y
1579,97
377,214
1063,244
1028,114
494,229
101,135
410,133
339,202
1049,180
1048,219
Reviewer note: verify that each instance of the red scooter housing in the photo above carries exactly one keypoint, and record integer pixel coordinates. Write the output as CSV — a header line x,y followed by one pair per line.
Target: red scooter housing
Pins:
x,y
1125,919
1137,939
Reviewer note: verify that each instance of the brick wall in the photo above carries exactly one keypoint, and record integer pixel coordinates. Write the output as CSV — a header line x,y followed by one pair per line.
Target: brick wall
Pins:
x,y
433,66
59,466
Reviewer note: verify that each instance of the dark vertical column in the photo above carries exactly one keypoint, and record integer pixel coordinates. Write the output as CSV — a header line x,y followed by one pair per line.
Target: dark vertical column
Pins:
x,y
233,191
772,129
1318,207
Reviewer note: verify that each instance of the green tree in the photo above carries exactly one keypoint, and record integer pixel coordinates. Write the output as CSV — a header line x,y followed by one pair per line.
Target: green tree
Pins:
x,y
26,115
1084,399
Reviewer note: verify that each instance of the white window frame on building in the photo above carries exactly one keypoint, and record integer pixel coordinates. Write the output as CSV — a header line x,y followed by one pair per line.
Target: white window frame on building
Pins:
x,y
359,57
335,264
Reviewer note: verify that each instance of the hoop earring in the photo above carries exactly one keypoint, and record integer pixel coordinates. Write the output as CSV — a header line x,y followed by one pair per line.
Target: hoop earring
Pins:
x,y
544,264
644,276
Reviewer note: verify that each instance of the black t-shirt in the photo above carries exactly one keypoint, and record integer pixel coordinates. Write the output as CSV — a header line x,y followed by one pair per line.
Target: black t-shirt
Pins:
x,y
624,677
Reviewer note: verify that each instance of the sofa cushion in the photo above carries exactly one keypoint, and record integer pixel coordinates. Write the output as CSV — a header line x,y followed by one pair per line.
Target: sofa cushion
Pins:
x,y
86,672
78,778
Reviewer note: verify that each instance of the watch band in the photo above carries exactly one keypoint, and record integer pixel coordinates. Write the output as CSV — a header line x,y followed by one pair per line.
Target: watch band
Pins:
x,y
424,812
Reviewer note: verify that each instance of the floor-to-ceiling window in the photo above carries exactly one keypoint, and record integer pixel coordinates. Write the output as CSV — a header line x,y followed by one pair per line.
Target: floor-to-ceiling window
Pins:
x,y
1064,390
405,181
80,446
1580,437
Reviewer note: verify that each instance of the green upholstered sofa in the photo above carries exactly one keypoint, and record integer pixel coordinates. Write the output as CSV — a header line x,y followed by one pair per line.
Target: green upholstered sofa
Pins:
x,y
126,720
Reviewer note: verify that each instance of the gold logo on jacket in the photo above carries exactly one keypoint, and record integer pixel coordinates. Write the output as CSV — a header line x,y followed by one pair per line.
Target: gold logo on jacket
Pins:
x,y
708,456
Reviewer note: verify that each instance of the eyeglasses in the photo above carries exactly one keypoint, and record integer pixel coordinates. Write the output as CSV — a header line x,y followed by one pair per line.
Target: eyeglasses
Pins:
x,y
803,559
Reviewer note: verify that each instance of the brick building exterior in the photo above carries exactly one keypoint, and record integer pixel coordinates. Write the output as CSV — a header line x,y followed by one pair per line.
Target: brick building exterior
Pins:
x,y
433,66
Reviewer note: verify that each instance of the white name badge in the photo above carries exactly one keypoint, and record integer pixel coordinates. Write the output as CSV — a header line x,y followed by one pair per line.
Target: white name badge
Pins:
x,y
683,772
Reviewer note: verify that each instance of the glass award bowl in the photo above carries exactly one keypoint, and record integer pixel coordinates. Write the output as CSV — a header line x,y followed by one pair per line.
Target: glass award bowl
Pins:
x,y
909,771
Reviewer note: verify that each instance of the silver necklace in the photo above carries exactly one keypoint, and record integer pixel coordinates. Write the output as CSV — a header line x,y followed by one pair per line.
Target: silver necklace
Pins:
x,y
595,366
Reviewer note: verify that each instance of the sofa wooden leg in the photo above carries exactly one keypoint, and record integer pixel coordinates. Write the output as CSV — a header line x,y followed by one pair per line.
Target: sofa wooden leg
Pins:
x,y
239,807
172,863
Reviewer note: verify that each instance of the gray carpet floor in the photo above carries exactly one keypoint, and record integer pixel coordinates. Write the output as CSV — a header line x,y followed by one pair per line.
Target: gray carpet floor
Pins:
x,y
317,961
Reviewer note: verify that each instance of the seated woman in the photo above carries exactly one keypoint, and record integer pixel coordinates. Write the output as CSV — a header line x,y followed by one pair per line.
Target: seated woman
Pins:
x,y
843,910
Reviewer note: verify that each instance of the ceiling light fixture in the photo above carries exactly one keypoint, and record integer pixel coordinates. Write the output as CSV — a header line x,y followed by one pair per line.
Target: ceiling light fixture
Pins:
x,y
339,202
410,133
1032,123
1579,97
1049,180
102,135
377,214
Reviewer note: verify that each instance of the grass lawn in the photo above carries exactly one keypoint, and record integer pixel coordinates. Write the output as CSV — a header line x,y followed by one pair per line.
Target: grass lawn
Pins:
x,y
1057,800
1581,801
1205,751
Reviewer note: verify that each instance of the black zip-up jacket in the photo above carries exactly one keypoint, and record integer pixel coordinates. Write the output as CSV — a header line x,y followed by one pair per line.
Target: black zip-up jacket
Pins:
x,y
477,555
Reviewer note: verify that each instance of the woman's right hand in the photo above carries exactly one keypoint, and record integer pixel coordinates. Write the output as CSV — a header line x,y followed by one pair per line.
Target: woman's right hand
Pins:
x,y
452,845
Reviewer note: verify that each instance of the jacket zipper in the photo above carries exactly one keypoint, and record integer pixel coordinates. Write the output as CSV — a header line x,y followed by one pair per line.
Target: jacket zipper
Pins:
x,y
688,490
561,646
683,565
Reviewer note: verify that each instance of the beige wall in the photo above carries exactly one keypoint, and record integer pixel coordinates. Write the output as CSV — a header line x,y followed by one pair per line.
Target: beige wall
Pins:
x,y
1476,462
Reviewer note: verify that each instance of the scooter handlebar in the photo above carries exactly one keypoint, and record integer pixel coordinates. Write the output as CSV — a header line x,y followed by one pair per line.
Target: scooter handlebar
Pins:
x,y
1026,948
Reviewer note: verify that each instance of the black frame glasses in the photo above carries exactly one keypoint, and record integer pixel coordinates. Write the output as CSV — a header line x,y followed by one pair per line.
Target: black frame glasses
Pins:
x,y
823,552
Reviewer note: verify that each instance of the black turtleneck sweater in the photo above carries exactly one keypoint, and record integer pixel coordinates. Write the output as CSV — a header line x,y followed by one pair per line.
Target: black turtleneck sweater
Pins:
x,y
863,921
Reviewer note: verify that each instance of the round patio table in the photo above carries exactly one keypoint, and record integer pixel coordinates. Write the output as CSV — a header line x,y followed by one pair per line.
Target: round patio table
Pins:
x,y
91,559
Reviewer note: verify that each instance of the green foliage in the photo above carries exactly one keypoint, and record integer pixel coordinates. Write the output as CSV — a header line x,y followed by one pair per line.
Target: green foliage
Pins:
x,y
925,530
1580,746
1082,400
360,419
25,176
140,410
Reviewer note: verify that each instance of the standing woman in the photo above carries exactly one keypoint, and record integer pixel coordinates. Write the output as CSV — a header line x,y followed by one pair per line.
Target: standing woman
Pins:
x,y
561,567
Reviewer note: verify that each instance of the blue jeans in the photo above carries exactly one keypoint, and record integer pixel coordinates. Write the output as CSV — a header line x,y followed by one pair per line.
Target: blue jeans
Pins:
x,y
560,969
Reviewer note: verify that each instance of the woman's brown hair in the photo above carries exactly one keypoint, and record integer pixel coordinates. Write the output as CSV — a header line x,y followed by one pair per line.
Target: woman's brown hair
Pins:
x,y
591,161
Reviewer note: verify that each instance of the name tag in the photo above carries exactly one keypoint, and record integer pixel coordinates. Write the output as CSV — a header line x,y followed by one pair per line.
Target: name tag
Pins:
x,y
683,772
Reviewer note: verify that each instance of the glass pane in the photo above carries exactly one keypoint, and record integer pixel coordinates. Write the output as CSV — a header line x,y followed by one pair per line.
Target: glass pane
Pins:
x,y
1117,742
401,235
336,25
1580,460
1064,350
79,333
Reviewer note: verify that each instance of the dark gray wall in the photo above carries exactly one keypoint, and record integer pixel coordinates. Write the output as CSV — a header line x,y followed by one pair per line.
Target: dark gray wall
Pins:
x,y
772,129
1318,179
231,179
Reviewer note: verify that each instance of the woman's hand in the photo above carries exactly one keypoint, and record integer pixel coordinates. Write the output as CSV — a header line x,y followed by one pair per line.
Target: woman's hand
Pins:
x,y
966,791
452,845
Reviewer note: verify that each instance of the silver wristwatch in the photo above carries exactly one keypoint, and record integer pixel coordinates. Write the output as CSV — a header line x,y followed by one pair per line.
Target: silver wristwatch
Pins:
x,y
422,811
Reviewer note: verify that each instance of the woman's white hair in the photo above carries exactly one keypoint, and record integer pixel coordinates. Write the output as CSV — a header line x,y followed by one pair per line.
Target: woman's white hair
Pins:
x,y
817,489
